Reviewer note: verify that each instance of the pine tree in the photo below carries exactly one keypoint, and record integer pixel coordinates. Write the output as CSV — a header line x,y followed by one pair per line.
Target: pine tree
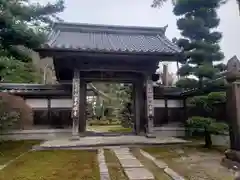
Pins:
x,y
25,24
200,43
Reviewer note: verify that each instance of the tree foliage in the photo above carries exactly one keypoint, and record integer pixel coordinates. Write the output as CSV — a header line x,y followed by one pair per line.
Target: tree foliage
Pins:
x,y
208,102
16,71
197,22
159,3
114,101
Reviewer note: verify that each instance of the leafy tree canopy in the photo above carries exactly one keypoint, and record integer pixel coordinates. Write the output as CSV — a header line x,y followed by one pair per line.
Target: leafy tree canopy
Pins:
x,y
15,71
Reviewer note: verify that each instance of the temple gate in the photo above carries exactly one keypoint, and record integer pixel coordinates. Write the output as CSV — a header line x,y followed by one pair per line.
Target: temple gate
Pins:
x,y
84,53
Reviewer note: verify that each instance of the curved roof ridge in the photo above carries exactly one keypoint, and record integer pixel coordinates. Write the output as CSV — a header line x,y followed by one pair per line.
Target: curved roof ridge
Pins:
x,y
170,44
108,28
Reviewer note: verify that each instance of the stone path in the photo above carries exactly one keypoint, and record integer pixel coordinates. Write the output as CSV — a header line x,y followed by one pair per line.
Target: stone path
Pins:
x,y
162,165
132,166
108,141
104,174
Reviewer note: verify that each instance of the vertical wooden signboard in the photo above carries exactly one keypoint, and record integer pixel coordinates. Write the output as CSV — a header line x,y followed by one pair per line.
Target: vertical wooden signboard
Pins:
x,y
76,98
150,108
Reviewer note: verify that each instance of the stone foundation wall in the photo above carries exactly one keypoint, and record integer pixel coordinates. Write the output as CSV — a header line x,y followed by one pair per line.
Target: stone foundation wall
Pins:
x,y
169,131
40,134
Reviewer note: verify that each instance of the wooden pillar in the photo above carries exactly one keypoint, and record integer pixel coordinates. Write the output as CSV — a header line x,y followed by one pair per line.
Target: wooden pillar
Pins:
x,y
165,110
185,111
75,98
82,106
49,113
150,108
133,96
137,105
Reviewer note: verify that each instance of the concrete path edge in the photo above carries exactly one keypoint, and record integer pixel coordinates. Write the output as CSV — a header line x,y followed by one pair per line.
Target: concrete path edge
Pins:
x,y
162,165
103,169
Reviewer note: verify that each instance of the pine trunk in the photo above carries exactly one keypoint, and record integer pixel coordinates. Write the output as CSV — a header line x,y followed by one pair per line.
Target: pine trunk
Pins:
x,y
208,140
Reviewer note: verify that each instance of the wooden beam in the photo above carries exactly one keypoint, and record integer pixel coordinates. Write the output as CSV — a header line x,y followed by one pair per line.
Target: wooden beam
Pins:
x,y
69,53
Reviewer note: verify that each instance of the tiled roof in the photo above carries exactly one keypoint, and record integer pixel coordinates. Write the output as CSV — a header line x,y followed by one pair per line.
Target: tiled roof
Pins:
x,y
105,38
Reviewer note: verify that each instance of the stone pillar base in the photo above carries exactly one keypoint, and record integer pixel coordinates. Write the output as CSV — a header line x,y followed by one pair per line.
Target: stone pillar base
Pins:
x,y
75,138
232,159
82,134
150,135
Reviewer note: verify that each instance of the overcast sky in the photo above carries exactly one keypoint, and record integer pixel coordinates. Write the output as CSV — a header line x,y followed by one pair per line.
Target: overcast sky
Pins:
x,y
139,13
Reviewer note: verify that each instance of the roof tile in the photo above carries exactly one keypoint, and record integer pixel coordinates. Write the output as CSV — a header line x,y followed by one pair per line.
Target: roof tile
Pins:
x,y
111,38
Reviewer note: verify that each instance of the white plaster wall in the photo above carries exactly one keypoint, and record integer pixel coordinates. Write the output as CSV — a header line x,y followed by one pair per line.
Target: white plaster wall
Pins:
x,y
37,103
175,103
55,103
61,103
160,103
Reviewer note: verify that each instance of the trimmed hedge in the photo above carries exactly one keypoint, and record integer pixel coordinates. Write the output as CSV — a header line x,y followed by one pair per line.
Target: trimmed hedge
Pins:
x,y
14,104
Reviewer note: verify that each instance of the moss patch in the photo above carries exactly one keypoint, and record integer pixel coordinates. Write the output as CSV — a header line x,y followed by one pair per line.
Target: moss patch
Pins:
x,y
53,165
109,128
11,149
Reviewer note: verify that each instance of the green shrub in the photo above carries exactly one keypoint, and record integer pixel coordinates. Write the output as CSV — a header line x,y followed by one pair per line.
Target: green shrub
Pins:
x,y
217,97
219,128
15,104
206,127
8,118
199,124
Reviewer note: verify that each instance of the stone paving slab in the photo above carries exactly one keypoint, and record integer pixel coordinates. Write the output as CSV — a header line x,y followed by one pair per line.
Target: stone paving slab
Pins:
x,y
138,174
123,153
90,141
162,165
125,156
173,174
133,168
103,169
157,162
104,176
130,163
